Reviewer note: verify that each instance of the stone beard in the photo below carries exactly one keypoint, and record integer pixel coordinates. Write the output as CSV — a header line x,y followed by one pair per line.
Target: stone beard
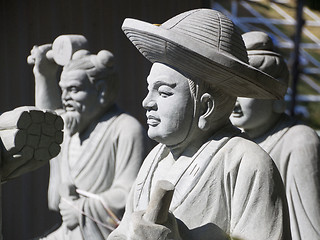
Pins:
x,y
80,99
103,146
72,121
76,115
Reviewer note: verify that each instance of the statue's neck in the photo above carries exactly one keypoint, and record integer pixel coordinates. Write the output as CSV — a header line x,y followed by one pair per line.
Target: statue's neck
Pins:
x,y
183,149
193,142
86,127
261,130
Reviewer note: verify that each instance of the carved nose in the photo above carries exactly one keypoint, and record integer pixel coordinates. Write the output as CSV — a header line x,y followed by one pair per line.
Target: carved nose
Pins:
x,y
64,94
149,103
237,108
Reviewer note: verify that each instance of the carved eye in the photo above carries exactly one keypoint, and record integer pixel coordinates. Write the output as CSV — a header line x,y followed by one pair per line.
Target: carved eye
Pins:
x,y
165,91
73,89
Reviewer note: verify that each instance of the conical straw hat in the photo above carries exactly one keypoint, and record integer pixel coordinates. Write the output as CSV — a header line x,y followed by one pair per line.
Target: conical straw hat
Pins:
x,y
203,44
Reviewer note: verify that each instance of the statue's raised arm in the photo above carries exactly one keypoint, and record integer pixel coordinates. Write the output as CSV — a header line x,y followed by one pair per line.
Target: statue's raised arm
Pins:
x,y
46,60
47,93
103,146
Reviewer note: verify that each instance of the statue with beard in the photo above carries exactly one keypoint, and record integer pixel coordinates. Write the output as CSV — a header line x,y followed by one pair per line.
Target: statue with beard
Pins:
x,y
103,146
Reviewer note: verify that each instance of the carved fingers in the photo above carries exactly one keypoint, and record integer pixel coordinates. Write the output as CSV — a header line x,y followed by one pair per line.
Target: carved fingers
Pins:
x,y
146,230
38,52
42,59
69,212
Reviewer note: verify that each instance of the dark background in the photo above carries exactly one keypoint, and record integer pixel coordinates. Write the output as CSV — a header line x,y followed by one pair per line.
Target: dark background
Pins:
x,y
24,23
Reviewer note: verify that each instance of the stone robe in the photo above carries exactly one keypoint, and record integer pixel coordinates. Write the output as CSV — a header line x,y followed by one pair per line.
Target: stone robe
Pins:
x,y
107,165
230,183
296,151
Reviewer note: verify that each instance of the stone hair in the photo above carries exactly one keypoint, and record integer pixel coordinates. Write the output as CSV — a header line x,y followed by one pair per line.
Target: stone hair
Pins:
x,y
223,102
98,68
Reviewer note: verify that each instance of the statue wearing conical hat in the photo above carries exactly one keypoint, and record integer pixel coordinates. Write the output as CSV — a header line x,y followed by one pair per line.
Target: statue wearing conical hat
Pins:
x,y
204,180
294,147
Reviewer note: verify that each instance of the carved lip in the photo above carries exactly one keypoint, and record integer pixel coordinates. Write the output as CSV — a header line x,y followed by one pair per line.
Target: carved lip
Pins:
x,y
152,120
69,107
237,115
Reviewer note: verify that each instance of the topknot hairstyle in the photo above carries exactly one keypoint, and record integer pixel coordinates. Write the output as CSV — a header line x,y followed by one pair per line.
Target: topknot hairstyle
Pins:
x,y
98,68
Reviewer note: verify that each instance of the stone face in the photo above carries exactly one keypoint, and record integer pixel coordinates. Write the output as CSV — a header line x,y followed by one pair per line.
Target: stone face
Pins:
x,y
295,148
224,185
103,146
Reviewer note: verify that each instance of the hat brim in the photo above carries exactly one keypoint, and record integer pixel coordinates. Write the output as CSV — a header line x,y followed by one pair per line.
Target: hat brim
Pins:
x,y
196,61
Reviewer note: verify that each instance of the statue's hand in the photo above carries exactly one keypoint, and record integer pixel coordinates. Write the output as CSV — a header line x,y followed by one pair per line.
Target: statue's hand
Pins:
x,y
141,229
42,60
69,211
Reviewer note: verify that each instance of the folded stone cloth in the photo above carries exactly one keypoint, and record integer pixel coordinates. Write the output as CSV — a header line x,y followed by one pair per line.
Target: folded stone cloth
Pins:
x,y
29,137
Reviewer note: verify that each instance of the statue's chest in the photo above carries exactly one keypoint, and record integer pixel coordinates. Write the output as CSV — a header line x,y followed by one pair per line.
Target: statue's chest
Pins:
x,y
75,150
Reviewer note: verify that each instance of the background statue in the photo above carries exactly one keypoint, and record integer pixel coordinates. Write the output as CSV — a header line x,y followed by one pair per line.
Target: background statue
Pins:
x,y
215,183
103,147
29,139
295,148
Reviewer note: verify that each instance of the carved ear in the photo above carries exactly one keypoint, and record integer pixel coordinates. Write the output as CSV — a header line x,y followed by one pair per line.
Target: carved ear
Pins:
x,y
102,91
207,106
279,106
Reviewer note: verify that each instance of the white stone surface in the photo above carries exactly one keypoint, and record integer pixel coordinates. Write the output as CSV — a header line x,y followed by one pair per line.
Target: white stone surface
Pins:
x,y
224,184
295,148
103,147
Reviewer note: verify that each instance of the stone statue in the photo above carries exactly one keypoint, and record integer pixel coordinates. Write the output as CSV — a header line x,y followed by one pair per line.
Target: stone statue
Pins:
x,y
204,180
103,147
295,148
29,139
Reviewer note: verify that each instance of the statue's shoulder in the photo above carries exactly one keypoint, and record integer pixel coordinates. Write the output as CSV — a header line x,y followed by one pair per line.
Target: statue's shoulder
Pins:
x,y
127,118
302,134
245,152
119,117
244,144
121,124
302,144
129,124
296,133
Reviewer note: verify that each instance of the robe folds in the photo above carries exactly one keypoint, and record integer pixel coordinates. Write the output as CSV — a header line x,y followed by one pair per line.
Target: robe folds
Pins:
x,y
295,149
107,165
230,184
